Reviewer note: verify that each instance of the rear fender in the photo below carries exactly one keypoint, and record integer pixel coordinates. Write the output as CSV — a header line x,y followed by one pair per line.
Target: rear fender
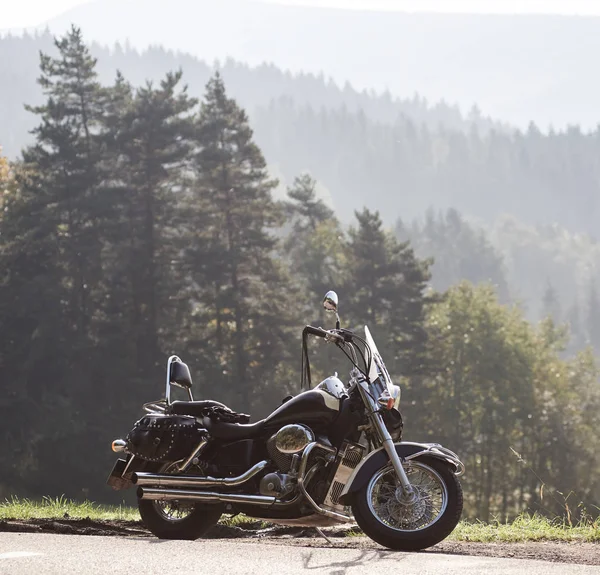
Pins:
x,y
407,451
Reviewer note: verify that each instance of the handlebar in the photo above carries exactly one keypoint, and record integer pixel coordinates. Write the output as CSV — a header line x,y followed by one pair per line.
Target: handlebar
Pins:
x,y
318,331
337,335
343,338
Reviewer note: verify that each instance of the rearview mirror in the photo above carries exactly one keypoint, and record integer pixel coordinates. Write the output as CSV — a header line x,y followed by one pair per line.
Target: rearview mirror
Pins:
x,y
330,302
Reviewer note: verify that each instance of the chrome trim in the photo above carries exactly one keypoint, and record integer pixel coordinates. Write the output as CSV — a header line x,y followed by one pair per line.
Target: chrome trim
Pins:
x,y
155,407
119,446
348,459
190,495
419,495
440,452
293,438
191,481
433,449
313,503
203,443
168,387
152,494
126,470
385,437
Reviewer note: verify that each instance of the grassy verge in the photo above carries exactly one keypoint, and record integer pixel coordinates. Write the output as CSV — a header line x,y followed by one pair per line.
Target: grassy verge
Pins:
x,y
62,508
526,528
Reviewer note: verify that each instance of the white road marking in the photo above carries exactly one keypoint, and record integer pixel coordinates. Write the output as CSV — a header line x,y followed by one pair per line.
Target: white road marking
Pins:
x,y
15,554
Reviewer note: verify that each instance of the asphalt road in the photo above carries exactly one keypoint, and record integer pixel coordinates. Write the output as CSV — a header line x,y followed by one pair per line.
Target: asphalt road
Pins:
x,y
26,553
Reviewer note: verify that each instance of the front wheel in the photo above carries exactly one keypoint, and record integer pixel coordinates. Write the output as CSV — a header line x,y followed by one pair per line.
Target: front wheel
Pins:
x,y
393,520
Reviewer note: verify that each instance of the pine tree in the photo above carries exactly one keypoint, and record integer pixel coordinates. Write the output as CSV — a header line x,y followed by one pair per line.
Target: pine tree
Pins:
x,y
315,244
305,210
150,134
244,292
576,329
66,156
52,246
551,304
593,317
386,290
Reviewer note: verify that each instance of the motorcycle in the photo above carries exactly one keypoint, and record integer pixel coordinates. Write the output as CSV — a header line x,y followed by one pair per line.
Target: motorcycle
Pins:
x,y
330,455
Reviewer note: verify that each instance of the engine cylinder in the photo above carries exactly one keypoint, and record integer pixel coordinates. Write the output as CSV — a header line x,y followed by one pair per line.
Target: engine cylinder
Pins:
x,y
289,440
293,438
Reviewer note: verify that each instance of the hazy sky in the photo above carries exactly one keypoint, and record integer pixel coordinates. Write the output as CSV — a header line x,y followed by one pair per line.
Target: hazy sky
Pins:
x,y
26,13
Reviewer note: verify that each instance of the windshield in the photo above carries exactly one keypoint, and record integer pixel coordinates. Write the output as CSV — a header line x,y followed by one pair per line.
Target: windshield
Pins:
x,y
377,368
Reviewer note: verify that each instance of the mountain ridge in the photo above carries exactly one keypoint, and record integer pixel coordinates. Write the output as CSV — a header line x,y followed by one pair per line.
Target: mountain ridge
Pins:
x,y
516,68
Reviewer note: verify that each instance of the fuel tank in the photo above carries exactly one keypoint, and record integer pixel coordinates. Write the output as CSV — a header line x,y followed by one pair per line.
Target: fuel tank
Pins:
x,y
314,408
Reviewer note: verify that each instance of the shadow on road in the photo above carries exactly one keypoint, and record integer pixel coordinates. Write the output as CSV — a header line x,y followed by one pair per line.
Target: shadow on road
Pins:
x,y
341,567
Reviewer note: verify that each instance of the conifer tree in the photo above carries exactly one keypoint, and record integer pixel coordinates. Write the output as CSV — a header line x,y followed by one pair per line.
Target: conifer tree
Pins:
x,y
315,244
66,157
52,251
386,288
551,304
244,291
304,209
593,317
150,135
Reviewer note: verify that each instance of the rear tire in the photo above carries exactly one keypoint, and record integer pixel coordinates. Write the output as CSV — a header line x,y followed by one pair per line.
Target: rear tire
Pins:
x,y
410,527
197,523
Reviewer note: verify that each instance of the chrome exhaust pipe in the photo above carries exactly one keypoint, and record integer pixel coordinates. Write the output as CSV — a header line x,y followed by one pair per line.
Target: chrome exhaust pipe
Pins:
x,y
190,481
152,494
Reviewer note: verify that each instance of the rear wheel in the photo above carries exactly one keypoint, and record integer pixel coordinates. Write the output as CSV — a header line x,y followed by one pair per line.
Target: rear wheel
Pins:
x,y
394,520
178,519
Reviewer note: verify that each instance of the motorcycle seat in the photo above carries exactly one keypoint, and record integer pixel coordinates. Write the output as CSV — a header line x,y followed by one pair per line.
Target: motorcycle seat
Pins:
x,y
195,408
233,431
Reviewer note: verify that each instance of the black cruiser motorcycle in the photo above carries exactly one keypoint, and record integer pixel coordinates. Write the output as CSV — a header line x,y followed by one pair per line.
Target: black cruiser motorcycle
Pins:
x,y
332,454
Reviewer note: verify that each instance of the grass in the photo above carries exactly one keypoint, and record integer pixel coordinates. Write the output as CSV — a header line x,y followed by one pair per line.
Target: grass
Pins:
x,y
61,507
526,528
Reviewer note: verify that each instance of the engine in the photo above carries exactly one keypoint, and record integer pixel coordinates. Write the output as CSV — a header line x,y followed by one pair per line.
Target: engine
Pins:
x,y
277,484
287,442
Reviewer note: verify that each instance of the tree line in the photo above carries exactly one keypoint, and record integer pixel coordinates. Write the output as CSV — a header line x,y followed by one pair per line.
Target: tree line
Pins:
x,y
142,222
532,193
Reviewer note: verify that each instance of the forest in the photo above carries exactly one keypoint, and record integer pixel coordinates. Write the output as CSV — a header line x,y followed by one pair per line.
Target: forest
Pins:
x,y
142,221
521,207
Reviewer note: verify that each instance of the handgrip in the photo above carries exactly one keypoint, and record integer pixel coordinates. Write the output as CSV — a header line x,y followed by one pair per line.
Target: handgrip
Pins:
x,y
319,332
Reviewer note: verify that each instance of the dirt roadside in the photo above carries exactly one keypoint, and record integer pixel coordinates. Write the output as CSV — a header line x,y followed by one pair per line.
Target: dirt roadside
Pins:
x,y
578,553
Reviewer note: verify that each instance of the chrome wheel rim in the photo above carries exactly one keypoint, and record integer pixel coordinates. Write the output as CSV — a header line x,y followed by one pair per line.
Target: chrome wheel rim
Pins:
x,y
390,506
173,511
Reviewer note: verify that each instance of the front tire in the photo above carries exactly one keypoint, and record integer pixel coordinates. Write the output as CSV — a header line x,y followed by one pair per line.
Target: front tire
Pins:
x,y
195,521
387,517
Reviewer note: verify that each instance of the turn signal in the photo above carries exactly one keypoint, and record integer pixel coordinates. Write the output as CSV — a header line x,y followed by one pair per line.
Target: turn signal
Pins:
x,y
386,401
119,445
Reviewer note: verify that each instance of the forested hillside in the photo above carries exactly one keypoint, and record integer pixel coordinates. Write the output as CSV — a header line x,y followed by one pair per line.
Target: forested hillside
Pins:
x,y
534,195
254,87
515,67
142,221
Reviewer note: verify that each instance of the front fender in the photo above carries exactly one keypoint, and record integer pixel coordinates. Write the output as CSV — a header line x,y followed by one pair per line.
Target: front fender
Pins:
x,y
407,451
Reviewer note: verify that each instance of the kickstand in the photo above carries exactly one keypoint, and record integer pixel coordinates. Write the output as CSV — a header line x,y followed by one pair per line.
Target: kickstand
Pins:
x,y
324,536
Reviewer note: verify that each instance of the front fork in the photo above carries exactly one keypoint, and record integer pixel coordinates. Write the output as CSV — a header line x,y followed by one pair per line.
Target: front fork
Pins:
x,y
385,438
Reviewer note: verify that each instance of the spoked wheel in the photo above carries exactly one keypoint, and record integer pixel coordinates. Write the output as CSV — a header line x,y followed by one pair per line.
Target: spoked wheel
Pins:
x,y
178,519
409,523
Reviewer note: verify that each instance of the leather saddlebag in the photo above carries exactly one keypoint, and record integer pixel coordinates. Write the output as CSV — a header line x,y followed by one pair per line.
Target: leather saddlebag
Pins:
x,y
164,438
